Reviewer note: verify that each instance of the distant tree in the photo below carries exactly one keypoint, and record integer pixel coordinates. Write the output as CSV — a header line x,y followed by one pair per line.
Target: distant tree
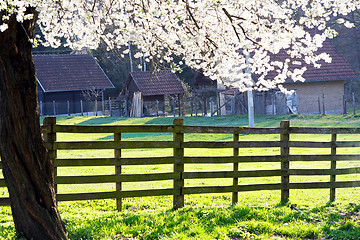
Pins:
x,y
215,36
348,44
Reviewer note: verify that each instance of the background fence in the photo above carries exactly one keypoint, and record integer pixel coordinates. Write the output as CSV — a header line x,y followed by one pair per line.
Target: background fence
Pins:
x,y
87,108
269,103
283,145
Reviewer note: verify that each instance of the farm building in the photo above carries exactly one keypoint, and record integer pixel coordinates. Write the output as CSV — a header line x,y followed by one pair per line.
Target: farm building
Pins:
x,y
207,92
322,92
144,92
324,87
64,81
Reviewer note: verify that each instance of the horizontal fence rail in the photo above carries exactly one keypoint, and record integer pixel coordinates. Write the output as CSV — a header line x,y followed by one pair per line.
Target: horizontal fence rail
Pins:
x,y
178,160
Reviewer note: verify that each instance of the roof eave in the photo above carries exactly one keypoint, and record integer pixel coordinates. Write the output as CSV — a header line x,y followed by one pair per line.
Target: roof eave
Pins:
x,y
103,72
74,90
322,80
41,86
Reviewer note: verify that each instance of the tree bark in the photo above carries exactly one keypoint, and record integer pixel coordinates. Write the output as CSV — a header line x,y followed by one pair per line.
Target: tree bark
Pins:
x,y
27,167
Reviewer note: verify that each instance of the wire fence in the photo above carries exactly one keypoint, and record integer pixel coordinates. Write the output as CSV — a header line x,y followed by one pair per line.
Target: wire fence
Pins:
x,y
195,105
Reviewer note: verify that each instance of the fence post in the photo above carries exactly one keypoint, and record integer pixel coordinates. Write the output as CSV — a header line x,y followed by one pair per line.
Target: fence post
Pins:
x,y
235,194
284,138
178,137
103,105
191,106
157,107
117,155
68,107
41,108
273,103
179,105
233,104
323,103
196,107
126,108
81,108
353,103
54,107
344,105
50,138
333,167
110,108
174,107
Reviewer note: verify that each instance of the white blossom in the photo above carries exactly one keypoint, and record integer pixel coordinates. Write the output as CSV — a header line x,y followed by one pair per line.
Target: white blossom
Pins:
x,y
3,27
215,36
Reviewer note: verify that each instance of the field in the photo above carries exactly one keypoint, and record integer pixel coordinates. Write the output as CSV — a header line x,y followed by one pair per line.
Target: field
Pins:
x,y
258,215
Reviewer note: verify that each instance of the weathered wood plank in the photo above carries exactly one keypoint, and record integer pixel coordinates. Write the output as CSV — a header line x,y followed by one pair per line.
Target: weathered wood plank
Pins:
x,y
80,162
340,144
2,182
232,174
231,144
309,144
323,130
170,160
239,188
117,155
112,161
319,185
114,194
196,129
235,195
49,139
339,171
208,160
333,166
116,178
285,152
148,192
230,130
325,157
178,184
233,159
112,145
113,128
4,201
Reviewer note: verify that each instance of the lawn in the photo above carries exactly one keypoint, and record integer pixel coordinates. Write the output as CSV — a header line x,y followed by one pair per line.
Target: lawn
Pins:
x,y
258,215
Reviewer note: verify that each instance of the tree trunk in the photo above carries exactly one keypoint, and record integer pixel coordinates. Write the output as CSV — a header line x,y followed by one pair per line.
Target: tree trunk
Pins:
x,y
27,167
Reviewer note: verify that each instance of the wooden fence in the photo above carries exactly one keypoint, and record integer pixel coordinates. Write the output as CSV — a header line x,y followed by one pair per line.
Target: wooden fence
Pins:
x,y
179,160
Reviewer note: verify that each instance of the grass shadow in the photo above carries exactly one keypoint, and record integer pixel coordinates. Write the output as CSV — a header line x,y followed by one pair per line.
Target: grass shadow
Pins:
x,y
102,120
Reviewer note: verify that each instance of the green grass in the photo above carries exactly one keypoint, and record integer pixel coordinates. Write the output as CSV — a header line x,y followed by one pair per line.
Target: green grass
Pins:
x,y
211,216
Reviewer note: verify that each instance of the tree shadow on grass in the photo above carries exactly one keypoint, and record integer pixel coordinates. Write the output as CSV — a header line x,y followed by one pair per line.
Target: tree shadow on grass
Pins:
x,y
102,120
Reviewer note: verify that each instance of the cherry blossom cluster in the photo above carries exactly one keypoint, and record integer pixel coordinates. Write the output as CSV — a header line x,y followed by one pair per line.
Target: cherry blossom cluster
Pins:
x,y
229,40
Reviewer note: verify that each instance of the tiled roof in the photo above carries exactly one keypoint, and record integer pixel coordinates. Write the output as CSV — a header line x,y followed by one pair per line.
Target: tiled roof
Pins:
x,y
57,73
157,83
338,69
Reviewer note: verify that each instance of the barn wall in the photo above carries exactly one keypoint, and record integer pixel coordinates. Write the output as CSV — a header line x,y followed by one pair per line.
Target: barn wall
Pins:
x,y
309,93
